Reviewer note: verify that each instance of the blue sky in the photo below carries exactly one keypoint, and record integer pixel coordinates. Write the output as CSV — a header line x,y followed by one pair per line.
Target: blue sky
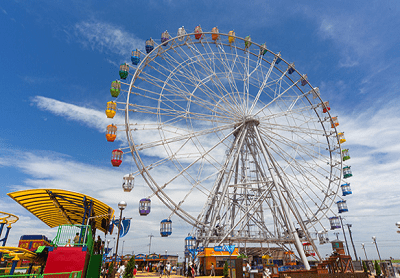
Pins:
x,y
58,59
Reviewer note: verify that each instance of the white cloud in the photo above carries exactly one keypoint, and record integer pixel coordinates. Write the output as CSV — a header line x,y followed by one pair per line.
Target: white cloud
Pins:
x,y
106,37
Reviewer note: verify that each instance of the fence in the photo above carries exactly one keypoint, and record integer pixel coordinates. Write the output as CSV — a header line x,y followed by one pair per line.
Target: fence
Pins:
x,y
66,234
73,274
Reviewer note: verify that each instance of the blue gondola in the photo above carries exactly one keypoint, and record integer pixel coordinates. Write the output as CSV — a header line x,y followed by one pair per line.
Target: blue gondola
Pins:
x,y
278,58
144,206
149,45
342,206
135,57
291,68
166,227
190,243
335,222
346,190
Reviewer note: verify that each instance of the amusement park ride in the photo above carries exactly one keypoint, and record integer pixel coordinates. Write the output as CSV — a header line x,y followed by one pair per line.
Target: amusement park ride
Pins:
x,y
234,127
240,131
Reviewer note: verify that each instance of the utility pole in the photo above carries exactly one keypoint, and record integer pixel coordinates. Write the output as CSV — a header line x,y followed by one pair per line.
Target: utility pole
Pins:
x,y
352,243
344,235
150,236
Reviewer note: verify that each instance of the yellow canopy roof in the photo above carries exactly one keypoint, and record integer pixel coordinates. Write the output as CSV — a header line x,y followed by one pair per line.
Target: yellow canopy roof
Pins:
x,y
57,207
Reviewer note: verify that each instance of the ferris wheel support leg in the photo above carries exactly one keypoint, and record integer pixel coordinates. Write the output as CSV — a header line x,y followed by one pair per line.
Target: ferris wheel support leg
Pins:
x,y
298,244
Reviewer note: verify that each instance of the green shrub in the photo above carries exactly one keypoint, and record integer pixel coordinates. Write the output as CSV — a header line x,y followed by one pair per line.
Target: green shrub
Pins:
x,y
226,270
377,268
129,268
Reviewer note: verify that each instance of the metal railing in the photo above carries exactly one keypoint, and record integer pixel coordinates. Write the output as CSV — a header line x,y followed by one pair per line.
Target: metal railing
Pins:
x,y
74,235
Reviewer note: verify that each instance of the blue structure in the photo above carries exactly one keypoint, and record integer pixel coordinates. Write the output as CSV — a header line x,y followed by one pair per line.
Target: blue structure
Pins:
x,y
335,222
342,206
166,227
346,190
291,68
135,57
149,45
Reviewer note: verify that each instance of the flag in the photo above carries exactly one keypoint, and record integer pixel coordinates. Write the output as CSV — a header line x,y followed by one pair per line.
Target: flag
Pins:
x,y
125,225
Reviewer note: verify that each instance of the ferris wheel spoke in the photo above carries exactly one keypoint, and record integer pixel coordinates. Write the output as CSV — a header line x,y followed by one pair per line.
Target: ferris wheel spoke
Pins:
x,y
183,137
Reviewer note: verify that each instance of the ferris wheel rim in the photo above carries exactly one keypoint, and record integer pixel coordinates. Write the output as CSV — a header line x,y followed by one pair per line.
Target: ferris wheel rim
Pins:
x,y
158,190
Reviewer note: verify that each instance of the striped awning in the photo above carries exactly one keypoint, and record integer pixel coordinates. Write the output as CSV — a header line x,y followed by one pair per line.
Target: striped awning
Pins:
x,y
57,207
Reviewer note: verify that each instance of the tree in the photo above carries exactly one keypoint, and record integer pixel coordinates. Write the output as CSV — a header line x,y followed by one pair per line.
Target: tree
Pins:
x,y
226,270
129,268
365,266
377,269
110,269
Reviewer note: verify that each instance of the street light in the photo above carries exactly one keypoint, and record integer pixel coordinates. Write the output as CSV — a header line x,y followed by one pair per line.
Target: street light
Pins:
x,y
398,226
121,206
365,253
376,245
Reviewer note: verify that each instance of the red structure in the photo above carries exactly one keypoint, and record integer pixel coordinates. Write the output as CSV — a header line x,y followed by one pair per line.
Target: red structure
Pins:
x,y
116,158
66,259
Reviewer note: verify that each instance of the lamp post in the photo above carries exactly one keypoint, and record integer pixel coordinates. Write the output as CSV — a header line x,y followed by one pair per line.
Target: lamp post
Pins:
x,y
398,226
365,253
121,206
352,243
376,245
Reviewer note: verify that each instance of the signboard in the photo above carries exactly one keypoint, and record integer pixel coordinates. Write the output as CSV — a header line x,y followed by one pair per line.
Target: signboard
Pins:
x,y
227,248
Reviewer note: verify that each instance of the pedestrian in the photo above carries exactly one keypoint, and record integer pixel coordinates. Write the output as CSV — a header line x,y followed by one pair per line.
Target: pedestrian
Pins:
x,y
168,269
97,245
212,270
134,272
121,270
161,269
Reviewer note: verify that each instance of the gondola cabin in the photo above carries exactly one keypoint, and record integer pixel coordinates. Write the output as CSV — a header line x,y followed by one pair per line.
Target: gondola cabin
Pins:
x,y
190,244
247,42
215,34
198,32
347,172
149,45
342,206
345,154
341,137
304,80
315,92
111,133
289,258
135,57
181,33
115,88
278,58
231,37
308,249
128,183
291,68
144,206
334,122
123,71
346,190
323,237
116,158
166,227
164,38
334,222
263,49
111,109
326,107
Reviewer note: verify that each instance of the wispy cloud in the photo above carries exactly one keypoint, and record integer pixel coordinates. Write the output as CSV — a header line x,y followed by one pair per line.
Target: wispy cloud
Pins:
x,y
106,37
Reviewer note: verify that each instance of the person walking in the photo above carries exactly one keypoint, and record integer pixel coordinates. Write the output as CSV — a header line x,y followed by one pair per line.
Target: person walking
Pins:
x,y
212,273
161,269
168,269
121,270
134,272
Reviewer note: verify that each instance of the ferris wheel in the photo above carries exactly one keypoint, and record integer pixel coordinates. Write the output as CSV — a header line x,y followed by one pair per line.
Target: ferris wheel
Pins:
x,y
232,138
